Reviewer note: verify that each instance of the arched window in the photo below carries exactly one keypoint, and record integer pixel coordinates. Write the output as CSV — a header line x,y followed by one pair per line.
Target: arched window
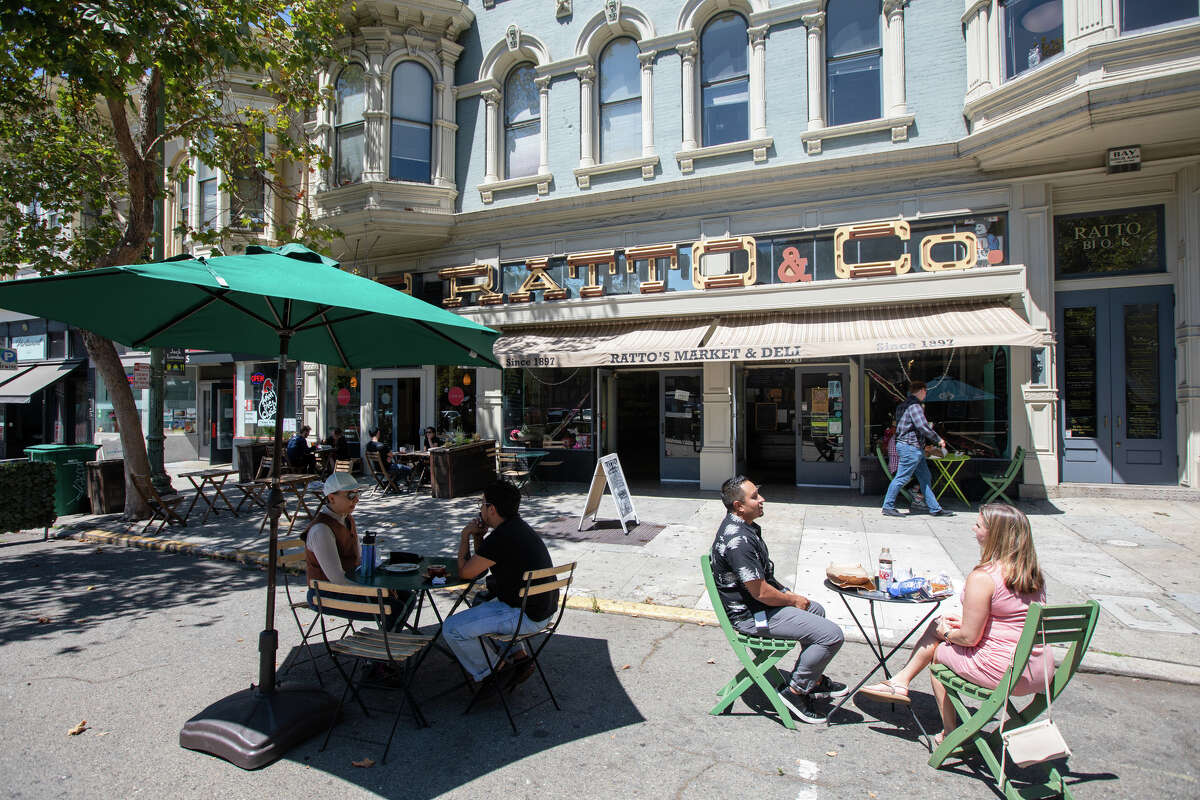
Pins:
x,y
725,80
853,56
620,101
349,128
522,123
412,123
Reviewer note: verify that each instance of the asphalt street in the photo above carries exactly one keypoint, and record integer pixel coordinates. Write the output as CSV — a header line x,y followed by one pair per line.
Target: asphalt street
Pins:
x,y
135,642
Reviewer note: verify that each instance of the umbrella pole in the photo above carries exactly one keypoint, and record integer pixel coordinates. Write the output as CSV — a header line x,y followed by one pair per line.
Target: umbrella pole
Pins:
x,y
256,726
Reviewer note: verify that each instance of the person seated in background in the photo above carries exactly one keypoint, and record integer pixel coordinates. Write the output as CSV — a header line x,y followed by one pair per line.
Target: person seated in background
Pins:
x,y
299,454
337,440
429,439
399,472
979,645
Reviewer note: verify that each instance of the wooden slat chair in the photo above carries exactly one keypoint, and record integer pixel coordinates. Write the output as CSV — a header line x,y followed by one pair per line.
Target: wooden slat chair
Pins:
x,y
254,490
290,559
344,465
999,483
403,652
161,508
883,463
512,468
758,656
1070,625
384,482
537,582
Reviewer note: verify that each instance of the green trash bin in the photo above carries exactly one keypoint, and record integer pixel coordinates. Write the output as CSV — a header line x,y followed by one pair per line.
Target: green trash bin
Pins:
x,y
70,485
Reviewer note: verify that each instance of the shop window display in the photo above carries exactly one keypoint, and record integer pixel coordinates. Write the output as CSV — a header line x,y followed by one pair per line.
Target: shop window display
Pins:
x,y
548,405
455,403
967,400
179,406
342,402
265,390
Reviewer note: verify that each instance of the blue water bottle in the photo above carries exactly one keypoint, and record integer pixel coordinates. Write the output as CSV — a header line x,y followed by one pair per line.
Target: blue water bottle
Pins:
x,y
367,569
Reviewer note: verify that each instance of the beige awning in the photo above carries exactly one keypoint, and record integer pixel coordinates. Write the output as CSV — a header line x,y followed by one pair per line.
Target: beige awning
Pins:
x,y
18,387
824,333
648,342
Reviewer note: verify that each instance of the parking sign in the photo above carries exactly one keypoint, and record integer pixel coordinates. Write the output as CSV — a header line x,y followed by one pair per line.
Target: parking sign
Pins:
x,y
8,358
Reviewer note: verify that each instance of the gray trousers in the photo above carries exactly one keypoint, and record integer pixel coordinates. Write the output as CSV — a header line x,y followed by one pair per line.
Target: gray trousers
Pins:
x,y
819,640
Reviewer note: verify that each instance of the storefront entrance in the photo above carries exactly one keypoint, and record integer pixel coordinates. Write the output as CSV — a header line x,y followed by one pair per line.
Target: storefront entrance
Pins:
x,y
1116,384
681,427
221,445
824,427
398,411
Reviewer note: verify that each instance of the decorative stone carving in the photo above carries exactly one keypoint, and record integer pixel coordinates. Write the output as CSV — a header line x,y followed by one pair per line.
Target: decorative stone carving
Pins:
x,y
562,9
612,11
512,37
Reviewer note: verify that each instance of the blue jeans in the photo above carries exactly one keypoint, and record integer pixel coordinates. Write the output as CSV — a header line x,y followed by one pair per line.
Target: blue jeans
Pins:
x,y
912,462
464,629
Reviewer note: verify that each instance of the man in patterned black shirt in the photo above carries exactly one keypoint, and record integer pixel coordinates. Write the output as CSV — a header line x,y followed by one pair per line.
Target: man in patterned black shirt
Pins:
x,y
758,605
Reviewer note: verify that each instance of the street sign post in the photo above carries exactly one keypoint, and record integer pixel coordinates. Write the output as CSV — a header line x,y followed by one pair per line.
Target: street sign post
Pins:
x,y
8,358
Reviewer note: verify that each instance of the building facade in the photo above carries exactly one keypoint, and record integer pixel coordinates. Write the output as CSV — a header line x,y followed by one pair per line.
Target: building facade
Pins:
x,y
724,235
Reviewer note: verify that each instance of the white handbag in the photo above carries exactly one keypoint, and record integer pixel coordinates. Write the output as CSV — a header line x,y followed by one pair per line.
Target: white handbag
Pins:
x,y
1038,741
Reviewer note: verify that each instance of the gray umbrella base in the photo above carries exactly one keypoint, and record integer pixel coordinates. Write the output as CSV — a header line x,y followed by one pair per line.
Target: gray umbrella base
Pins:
x,y
250,729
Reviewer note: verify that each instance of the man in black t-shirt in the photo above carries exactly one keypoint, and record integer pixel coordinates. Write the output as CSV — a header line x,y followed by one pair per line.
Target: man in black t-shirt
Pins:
x,y
509,551
759,605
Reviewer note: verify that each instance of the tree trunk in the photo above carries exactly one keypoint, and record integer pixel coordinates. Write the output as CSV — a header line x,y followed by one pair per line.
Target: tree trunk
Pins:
x,y
129,420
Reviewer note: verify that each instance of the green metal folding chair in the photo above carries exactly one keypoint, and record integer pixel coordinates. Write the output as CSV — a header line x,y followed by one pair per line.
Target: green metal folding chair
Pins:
x,y
883,462
757,654
1070,625
999,483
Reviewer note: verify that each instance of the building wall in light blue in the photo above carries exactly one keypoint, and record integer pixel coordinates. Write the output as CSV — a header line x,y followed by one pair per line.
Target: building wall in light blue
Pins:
x,y
935,84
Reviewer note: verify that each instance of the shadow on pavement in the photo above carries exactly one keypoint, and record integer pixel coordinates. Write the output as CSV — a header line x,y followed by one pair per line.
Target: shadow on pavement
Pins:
x,y
456,748
47,592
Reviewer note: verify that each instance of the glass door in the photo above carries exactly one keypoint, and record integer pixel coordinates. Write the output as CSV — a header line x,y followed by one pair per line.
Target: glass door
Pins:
x,y
1116,386
681,415
204,423
823,427
222,443
385,411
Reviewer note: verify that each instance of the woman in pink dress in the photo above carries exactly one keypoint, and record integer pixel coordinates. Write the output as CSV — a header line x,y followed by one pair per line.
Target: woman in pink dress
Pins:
x,y
979,646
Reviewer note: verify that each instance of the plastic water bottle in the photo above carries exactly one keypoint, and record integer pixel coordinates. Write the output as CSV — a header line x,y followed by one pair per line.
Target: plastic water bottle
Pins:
x,y
885,569
368,555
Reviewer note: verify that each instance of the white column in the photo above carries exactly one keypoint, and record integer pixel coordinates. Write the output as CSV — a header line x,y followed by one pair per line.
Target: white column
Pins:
x,y
687,52
816,69
895,103
543,84
976,34
717,462
758,81
448,119
492,143
646,59
375,122
587,113
1087,22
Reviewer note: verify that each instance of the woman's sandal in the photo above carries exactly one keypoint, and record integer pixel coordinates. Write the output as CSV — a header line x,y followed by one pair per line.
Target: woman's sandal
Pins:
x,y
886,691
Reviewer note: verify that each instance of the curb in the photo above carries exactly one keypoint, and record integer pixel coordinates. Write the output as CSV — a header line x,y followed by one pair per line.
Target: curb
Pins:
x,y
1094,662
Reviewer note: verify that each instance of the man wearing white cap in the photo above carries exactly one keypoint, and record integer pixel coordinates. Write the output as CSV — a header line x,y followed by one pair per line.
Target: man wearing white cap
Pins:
x,y
331,546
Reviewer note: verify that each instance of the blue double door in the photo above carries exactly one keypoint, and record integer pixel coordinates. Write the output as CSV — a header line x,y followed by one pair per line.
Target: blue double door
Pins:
x,y
1116,379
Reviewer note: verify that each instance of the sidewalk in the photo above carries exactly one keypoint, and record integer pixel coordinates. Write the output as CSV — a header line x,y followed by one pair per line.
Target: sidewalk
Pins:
x,y
1137,557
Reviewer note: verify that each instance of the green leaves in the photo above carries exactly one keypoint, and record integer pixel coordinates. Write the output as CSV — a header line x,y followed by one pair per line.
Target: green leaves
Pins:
x,y
79,115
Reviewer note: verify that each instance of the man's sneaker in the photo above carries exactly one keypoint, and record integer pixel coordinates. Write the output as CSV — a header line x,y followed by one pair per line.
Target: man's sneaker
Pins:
x,y
891,512
827,689
942,512
802,706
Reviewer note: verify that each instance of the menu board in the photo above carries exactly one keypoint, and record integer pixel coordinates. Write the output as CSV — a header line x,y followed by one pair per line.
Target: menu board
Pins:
x,y
1142,400
1079,391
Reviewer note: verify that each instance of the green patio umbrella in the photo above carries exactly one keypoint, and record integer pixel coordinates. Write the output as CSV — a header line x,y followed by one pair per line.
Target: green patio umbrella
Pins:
x,y
291,301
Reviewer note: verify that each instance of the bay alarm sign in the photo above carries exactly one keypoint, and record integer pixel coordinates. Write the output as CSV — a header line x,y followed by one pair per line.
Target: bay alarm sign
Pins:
x,y
711,265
